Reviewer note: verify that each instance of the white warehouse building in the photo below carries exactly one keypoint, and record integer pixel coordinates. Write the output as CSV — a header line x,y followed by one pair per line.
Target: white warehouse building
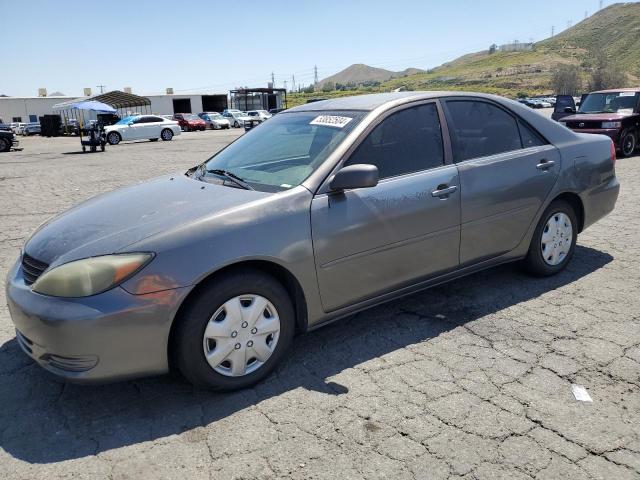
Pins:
x,y
29,109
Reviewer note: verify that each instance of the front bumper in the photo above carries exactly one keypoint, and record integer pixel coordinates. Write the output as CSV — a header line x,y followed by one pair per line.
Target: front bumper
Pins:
x,y
612,133
106,337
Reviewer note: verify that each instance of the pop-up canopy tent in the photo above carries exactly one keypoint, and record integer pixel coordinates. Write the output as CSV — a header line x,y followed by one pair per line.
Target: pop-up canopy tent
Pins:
x,y
94,106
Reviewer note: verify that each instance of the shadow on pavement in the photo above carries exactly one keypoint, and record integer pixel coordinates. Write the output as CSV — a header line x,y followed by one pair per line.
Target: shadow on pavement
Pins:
x,y
43,420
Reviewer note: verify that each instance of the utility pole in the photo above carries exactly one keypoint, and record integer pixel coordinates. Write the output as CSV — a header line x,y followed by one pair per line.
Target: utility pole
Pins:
x,y
101,87
273,81
600,5
285,84
293,83
315,74
553,30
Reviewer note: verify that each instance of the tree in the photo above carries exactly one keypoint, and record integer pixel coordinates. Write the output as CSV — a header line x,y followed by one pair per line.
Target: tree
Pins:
x,y
328,87
606,74
309,89
493,48
566,80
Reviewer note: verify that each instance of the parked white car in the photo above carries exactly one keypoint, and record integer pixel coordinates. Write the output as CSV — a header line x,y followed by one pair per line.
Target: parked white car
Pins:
x,y
236,118
215,121
18,127
262,115
138,127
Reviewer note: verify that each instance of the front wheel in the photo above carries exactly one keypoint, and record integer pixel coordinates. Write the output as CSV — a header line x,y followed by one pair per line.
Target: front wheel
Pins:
x,y
236,124
554,240
114,138
627,144
5,145
234,332
166,135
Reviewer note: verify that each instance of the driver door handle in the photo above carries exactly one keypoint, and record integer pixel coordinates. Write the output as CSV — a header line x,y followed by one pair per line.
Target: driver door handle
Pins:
x,y
443,191
545,164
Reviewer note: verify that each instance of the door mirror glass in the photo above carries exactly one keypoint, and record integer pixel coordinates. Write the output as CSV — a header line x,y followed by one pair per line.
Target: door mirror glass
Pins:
x,y
355,176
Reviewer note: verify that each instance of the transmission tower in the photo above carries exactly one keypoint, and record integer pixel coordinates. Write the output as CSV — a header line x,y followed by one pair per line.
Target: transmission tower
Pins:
x,y
315,74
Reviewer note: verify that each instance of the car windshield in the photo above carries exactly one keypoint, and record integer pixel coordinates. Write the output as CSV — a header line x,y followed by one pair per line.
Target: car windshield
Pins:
x,y
127,120
217,116
612,102
283,152
192,117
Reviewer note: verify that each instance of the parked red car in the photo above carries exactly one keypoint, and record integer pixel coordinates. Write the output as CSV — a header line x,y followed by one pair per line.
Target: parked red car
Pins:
x,y
615,113
189,122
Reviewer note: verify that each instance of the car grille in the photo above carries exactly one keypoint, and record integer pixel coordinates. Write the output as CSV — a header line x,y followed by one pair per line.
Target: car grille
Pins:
x,y
32,268
584,124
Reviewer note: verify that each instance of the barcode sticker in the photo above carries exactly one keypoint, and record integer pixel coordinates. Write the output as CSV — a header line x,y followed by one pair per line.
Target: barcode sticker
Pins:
x,y
331,121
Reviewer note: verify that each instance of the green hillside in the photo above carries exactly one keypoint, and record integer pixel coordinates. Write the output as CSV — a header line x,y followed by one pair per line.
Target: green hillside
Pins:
x,y
615,30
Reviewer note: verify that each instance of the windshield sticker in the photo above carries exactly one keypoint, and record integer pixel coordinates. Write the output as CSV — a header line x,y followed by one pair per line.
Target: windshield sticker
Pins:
x,y
331,121
627,94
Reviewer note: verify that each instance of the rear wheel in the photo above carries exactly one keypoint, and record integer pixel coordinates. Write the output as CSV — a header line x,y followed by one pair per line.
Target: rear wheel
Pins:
x,y
553,241
234,332
627,143
114,138
166,135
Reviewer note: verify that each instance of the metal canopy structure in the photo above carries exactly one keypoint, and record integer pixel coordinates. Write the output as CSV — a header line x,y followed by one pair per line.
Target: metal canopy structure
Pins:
x,y
124,103
258,98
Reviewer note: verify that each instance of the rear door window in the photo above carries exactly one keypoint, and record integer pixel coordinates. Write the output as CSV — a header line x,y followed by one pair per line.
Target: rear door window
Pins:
x,y
479,129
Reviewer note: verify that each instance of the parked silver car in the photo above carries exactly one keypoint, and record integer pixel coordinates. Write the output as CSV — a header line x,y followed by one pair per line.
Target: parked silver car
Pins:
x,y
325,210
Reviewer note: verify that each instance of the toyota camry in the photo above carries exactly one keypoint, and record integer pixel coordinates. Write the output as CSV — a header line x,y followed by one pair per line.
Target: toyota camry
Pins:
x,y
325,210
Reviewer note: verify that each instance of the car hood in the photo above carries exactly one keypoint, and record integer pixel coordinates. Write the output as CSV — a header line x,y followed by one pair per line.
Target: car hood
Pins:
x,y
601,117
109,223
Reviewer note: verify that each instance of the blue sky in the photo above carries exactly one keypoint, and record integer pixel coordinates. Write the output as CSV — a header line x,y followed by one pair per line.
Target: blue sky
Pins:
x,y
213,46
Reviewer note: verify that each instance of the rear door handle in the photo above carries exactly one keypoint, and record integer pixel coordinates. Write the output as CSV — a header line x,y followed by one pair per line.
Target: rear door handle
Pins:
x,y
545,164
443,191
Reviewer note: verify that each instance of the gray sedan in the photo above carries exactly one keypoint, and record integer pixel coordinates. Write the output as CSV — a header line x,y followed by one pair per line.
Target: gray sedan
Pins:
x,y
323,211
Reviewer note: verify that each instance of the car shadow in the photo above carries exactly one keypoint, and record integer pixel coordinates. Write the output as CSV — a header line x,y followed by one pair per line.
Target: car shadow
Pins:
x,y
44,420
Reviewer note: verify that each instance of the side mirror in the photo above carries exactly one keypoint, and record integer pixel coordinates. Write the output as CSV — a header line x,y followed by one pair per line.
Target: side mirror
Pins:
x,y
569,110
130,123
355,176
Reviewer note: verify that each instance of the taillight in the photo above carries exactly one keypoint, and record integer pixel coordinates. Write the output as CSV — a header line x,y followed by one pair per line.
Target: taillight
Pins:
x,y
613,152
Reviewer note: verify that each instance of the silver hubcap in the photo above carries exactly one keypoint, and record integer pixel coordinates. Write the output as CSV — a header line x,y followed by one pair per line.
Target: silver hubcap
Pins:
x,y
242,335
113,138
166,135
629,144
557,237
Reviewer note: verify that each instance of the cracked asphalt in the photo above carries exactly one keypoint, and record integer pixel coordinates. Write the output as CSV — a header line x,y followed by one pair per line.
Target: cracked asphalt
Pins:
x,y
469,380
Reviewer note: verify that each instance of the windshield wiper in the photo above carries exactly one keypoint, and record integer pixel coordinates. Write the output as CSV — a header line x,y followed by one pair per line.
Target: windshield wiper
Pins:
x,y
231,176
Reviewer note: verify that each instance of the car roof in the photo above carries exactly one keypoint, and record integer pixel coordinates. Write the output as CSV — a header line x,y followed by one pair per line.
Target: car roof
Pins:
x,y
372,101
614,90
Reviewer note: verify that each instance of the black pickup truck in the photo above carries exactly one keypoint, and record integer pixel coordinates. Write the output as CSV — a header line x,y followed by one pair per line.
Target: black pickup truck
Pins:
x,y
8,140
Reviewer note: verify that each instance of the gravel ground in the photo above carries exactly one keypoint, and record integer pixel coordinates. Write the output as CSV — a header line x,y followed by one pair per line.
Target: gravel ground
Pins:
x,y
467,380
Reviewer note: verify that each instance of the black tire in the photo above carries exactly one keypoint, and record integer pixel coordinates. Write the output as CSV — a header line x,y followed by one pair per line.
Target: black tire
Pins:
x,y
628,143
102,147
5,145
166,135
534,263
236,124
187,338
114,138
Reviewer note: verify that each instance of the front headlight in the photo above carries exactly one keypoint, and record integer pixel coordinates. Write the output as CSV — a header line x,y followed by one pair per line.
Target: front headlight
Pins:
x,y
89,276
611,124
